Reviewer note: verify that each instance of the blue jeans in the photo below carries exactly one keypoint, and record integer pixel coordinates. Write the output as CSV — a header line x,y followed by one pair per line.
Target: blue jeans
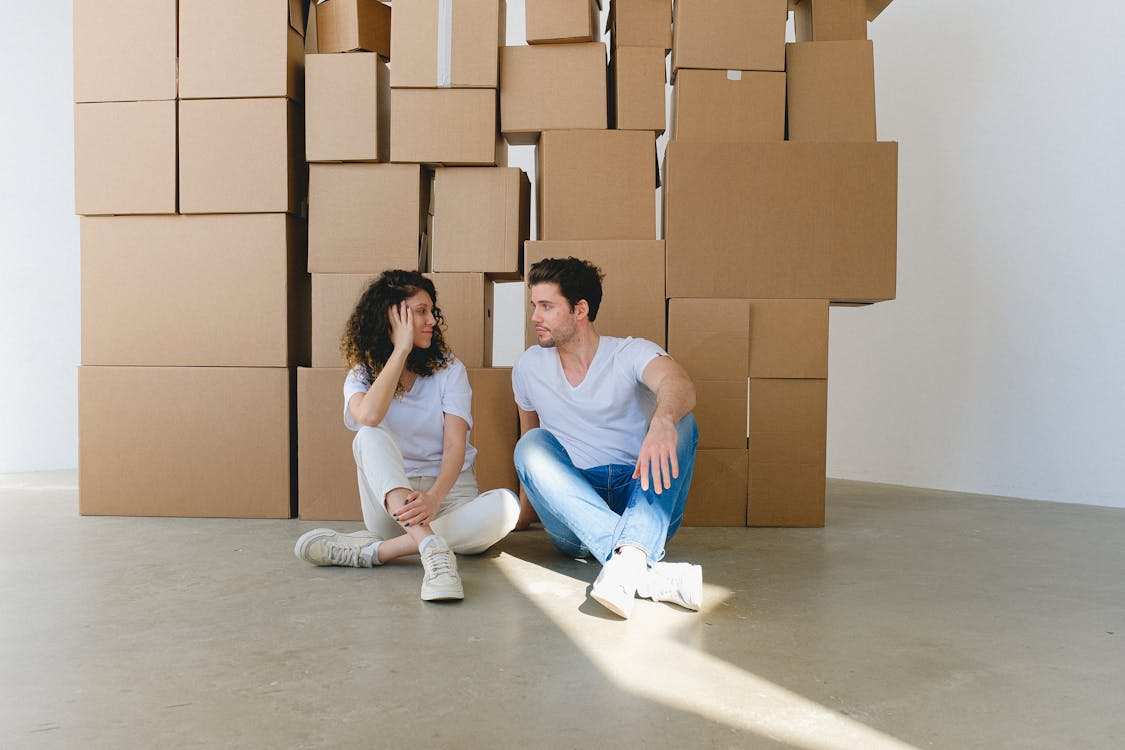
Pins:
x,y
599,509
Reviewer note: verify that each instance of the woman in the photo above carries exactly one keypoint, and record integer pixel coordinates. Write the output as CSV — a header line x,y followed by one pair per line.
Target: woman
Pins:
x,y
408,398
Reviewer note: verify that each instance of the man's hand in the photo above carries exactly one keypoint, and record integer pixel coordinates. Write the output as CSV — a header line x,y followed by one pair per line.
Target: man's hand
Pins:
x,y
419,510
658,456
527,513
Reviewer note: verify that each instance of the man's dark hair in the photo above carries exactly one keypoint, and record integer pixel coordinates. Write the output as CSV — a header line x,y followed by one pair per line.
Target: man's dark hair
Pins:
x,y
577,280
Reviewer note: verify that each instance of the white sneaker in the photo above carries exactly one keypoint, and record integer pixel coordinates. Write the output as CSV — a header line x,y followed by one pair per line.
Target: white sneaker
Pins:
x,y
328,547
678,583
616,586
441,581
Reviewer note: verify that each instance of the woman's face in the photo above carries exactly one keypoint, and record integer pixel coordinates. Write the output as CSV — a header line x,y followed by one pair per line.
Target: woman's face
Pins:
x,y
424,320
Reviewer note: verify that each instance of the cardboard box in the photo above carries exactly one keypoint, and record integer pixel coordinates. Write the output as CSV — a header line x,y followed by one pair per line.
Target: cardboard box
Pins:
x,y
465,300
194,290
352,25
597,185
637,82
789,220
124,51
459,50
253,48
443,126
482,216
327,485
365,218
729,34
551,87
560,21
632,291
186,441
334,297
830,20
718,489
241,156
788,434
496,428
789,338
831,91
347,108
728,105
641,23
125,158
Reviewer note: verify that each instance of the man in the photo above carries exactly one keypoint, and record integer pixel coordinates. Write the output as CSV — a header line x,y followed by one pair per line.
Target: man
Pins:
x,y
608,441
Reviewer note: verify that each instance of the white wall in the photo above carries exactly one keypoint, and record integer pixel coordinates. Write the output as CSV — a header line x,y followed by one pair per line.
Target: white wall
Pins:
x,y
995,371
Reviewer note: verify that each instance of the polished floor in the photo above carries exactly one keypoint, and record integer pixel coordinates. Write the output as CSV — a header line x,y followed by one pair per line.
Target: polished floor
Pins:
x,y
916,619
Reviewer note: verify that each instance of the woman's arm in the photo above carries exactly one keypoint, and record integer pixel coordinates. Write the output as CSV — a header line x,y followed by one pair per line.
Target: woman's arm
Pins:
x,y
421,507
370,408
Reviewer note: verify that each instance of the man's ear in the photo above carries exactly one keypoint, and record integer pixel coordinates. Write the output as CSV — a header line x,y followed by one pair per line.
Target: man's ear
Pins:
x,y
582,309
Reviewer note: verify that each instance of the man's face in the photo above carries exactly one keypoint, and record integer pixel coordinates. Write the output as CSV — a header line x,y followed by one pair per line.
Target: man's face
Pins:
x,y
554,321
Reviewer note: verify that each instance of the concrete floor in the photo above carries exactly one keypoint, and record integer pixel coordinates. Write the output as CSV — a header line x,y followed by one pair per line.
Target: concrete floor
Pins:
x,y
916,619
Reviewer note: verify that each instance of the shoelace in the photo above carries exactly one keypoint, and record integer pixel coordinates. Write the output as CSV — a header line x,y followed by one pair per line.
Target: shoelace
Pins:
x,y
339,554
440,564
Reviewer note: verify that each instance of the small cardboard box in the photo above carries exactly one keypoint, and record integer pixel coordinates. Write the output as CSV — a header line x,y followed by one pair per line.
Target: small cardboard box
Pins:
x,y
445,44
347,108
124,50
641,23
194,290
444,126
327,487
632,291
718,489
214,442
334,297
549,87
728,106
831,91
496,428
830,20
637,79
365,218
241,156
465,300
482,216
729,34
353,25
125,158
253,48
560,21
597,185
789,338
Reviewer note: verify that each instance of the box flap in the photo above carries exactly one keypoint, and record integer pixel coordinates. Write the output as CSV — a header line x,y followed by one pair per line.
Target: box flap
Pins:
x,y
297,18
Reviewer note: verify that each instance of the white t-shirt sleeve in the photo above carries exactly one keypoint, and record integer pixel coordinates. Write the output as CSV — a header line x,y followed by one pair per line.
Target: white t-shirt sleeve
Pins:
x,y
518,386
355,383
457,394
636,354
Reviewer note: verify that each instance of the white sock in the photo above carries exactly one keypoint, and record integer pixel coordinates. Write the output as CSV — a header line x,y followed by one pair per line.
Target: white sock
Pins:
x,y
425,542
369,555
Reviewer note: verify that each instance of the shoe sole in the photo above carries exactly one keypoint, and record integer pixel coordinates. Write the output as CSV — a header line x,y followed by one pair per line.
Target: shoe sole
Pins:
x,y
444,596
613,606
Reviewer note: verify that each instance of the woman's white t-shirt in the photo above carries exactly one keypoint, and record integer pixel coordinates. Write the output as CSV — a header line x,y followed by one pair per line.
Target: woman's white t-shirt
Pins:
x,y
417,417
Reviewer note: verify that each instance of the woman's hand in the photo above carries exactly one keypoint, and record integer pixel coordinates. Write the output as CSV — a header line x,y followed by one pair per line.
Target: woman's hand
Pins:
x,y
420,508
402,327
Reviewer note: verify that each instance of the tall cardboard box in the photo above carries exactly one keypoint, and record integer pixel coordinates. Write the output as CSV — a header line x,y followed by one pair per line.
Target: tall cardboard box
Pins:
x,y
443,126
125,158
495,428
637,79
124,50
560,21
718,489
194,291
465,300
334,297
186,441
728,106
830,20
353,25
327,483
482,216
443,44
347,108
641,23
551,87
831,91
789,338
729,34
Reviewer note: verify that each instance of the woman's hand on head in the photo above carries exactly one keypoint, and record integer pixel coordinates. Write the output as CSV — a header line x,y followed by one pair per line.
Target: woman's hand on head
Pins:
x,y
402,327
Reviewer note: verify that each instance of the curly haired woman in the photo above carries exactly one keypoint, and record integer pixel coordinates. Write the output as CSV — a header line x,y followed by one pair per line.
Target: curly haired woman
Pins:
x,y
408,398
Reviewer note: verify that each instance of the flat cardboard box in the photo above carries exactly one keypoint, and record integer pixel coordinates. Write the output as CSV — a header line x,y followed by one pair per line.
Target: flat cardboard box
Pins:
x,y
327,485
194,291
468,58
444,126
560,21
597,185
496,428
718,489
641,23
729,34
632,290
830,20
465,300
781,220
728,106
637,79
365,218
252,48
241,156
551,87
789,338
831,91
347,108
124,50
125,158
186,441
788,434
482,217
353,25
334,297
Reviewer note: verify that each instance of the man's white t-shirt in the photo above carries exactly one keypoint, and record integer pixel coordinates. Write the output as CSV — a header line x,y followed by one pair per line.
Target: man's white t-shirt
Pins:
x,y
417,418
604,420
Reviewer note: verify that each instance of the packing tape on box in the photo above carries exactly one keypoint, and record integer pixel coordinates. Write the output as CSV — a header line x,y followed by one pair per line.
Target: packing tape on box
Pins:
x,y
734,75
445,44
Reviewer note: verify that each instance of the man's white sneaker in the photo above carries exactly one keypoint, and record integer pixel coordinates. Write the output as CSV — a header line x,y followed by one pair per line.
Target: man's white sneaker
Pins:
x,y
677,583
441,580
328,547
616,586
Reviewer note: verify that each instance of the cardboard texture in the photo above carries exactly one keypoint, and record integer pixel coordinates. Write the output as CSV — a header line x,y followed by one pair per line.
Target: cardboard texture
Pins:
x,y
465,300
365,218
252,48
789,338
788,434
831,91
459,50
641,23
124,51
443,126
873,7
632,290
327,484
728,106
496,428
830,20
353,25
596,185
334,297
718,489
729,34
551,87
194,290
637,78
560,21
185,441
347,108
241,156
482,216
125,158
788,220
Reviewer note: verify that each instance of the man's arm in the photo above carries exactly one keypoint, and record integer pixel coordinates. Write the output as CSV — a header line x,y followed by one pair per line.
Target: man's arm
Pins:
x,y
529,420
675,398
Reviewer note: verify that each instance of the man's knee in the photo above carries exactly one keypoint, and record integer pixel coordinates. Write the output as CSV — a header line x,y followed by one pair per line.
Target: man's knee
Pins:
x,y
534,444
687,431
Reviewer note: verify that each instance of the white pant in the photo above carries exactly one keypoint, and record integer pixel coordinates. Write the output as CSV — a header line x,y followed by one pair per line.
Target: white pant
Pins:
x,y
469,522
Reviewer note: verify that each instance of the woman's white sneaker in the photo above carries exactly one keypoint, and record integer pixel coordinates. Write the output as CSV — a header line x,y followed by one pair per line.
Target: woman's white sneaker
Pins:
x,y
328,547
441,580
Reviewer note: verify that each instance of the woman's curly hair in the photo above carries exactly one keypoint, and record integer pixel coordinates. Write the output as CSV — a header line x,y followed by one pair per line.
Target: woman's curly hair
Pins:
x,y
367,342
